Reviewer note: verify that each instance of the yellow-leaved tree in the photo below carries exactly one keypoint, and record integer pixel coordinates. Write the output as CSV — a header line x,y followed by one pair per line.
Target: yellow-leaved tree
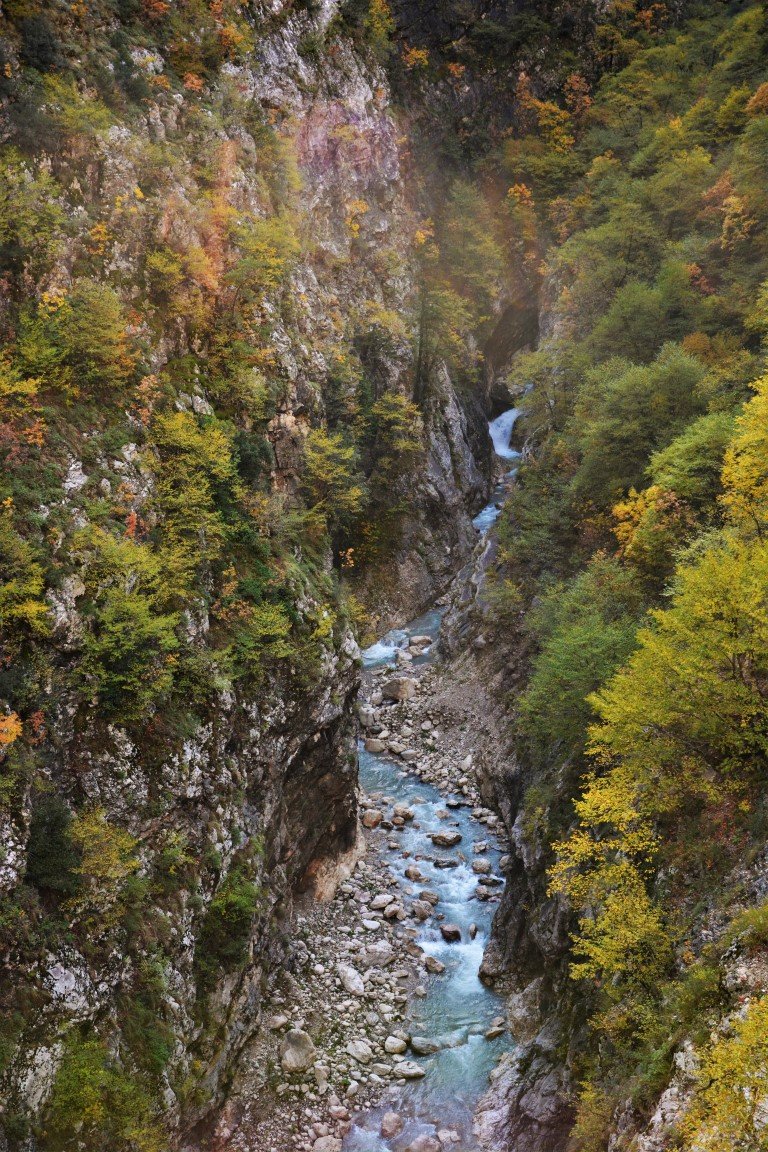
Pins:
x,y
729,1106
681,727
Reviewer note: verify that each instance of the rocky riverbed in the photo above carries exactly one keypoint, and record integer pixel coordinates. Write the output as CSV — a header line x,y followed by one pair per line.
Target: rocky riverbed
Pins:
x,y
344,1038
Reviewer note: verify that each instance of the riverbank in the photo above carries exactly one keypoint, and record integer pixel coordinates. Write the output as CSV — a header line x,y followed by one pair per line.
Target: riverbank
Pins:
x,y
351,1053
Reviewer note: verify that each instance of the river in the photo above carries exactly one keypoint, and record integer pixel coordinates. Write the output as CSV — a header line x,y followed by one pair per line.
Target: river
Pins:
x,y
458,1011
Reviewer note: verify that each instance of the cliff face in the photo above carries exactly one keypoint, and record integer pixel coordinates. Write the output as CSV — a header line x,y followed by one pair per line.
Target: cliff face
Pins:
x,y
195,834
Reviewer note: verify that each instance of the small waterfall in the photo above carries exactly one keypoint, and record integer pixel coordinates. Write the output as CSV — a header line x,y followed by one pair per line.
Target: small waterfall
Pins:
x,y
501,433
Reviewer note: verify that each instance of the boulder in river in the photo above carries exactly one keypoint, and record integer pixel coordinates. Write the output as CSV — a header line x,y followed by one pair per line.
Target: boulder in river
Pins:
x,y
425,1144
392,1124
421,909
433,965
423,1046
372,818
297,1052
395,1046
451,933
445,839
409,1070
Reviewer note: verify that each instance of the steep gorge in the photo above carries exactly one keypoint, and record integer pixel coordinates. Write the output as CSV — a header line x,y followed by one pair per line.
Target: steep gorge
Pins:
x,y
268,271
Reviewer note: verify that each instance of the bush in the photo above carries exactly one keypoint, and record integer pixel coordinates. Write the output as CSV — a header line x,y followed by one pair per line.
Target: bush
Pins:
x,y
52,858
39,43
96,1104
226,929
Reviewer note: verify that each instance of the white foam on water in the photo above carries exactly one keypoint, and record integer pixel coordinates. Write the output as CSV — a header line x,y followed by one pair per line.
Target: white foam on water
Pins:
x,y
487,518
501,433
385,649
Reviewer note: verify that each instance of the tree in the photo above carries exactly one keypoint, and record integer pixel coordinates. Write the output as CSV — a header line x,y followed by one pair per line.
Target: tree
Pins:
x,y
96,1099
24,613
695,691
586,629
692,464
107,858
77,342
333,481
195,474
745,472
470,251
731,1086
624,412
649,527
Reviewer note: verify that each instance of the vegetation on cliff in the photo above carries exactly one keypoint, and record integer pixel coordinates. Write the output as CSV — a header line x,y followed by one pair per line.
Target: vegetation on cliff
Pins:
x,y
633,548
193,444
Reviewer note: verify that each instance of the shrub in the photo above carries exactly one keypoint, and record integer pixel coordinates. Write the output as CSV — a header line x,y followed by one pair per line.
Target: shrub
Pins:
x,y
96,1104
731,1086
333,481
39,43
107,860
52,859
226,929
127,661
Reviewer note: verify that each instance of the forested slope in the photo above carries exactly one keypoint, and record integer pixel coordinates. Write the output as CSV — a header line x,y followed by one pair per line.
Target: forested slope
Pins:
x,y
630,589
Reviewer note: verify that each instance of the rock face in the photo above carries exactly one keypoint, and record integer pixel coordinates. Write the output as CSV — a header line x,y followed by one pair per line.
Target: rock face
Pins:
x,y
438,538
269,775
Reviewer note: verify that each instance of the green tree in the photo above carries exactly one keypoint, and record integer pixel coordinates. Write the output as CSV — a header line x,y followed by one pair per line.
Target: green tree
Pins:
x,y
334,483
77,342
128,649
586,630
195,476
470,250
624,412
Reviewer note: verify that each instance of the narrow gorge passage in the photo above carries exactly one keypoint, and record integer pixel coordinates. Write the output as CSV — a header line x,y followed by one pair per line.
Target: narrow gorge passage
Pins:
x,y
449,1026
456,1024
